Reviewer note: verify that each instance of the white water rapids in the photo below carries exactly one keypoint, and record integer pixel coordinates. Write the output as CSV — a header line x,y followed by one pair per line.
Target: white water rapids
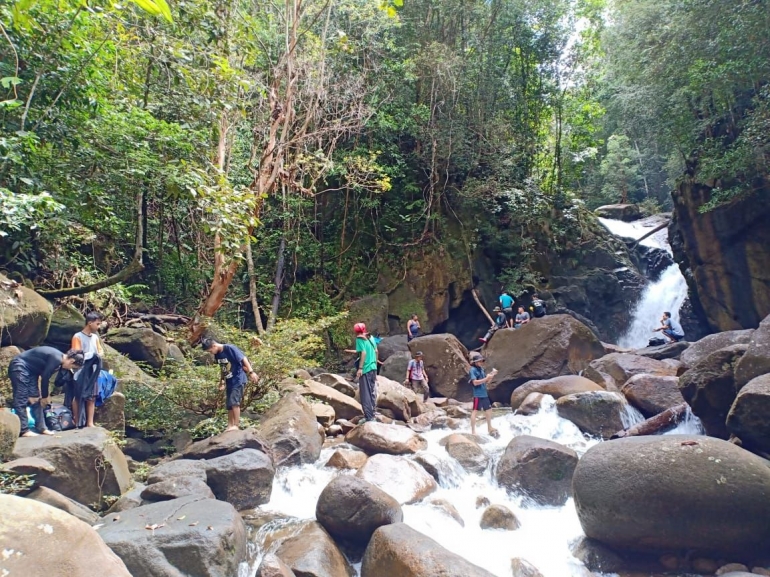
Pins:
x,y
668,293
544,536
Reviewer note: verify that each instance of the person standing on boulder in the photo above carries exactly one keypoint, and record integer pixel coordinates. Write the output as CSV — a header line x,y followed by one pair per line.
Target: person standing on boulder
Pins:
x,y
86,379
479,380
671,329
413,328
235,370
416,377
506,303
367,371
30,374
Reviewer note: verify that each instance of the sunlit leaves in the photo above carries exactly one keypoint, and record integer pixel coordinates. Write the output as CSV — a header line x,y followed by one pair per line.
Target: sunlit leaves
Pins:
x,y
155,7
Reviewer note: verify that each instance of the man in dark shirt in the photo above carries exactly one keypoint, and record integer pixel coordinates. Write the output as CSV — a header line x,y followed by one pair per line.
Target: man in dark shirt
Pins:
x,y
235,371
479,379
30,374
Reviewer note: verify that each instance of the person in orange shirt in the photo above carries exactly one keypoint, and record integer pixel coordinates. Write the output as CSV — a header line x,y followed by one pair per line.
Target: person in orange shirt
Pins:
x,y
89,342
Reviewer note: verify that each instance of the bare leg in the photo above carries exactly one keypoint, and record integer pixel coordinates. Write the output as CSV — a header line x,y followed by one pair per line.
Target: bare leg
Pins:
x,y
488,417
473,422
76,412
90,405
233,419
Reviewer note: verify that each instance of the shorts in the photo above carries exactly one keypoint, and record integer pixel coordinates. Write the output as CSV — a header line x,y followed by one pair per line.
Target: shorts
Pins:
x,y
233,396
481,404
509,314
672,335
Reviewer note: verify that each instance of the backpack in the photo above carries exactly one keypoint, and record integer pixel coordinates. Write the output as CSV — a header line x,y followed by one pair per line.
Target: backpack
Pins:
x,y
106,386
59,418
539,308
656,342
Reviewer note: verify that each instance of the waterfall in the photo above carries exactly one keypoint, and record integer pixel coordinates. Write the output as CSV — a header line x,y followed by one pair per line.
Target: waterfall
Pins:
x,y
668,293
545,534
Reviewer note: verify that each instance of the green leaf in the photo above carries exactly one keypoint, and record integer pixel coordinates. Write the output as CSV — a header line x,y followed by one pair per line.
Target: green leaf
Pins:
x,y
164,9
148,6
9,81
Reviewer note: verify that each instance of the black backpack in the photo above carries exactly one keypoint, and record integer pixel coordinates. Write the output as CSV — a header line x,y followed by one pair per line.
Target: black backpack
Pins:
x,y
539,308
656,342
59,418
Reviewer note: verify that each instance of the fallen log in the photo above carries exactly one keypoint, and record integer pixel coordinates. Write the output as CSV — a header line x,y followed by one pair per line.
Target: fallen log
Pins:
x,y
481,306
653,231
660,423
157,319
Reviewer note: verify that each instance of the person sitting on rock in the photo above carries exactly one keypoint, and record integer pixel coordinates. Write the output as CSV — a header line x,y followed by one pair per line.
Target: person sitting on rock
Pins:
x,y
25,370
506,303
671,329
85,383
479,380
367,371
413,328
538,306
416,377
522,318
235,370
501,321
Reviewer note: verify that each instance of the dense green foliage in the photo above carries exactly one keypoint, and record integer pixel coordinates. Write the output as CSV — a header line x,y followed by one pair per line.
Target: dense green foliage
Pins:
x,y
341,138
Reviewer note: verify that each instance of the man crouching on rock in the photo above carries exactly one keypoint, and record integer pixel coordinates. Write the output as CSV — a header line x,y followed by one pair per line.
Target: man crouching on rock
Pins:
x,y
25,370
235,370
479,380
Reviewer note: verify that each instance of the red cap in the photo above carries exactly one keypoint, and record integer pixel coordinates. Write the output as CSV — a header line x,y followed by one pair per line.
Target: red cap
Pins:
x,y
359,328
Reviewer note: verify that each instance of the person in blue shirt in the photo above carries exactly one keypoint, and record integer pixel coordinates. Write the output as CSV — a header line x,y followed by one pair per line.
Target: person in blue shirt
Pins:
x,y
479,379
671,329
235,370
506,303
501,322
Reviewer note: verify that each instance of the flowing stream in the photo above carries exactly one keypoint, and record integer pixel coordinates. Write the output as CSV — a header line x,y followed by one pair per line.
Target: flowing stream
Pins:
x,y
544,536
668,293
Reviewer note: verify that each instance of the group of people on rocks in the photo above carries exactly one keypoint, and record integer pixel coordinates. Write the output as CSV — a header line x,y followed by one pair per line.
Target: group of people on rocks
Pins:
x,y
505,316
77,371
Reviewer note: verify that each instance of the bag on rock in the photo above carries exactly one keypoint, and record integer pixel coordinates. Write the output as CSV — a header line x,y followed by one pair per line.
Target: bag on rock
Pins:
x,y
656,342
59,418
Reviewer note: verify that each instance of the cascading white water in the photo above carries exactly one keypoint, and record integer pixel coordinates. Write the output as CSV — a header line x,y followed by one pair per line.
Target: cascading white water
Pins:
x,y
545,533
668,293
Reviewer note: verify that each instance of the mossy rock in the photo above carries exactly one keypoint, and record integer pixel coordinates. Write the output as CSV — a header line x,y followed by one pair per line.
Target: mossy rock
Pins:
x,y
371,310
65,322
24,315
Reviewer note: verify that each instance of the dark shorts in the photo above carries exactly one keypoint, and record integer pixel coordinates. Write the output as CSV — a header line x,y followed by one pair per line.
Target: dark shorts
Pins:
x,y
481,404
671,334
509,314
233,396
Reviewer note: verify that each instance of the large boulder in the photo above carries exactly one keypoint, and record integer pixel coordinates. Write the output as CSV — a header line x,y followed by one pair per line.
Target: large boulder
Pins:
x,y
556,387
224,444
613,370
499,517
395,397
402,479
10,427
748,417
42,541
272,566
467,452
176,488
345,406
400,550
244,478
56,499
337,382
40,468
24,315
375,437
597,413
180,468
65,322
548,347
540,469
291,429
756,361
709,388
652,394
347,459
352,509
313,553
446,362
624,212
88,464
699,350
675,492
112,414
187,536
372,310
667,351
395,367
140,345
391,345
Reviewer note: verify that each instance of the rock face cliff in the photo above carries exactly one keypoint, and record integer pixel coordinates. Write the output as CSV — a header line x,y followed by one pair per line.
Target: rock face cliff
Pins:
x,y
724,254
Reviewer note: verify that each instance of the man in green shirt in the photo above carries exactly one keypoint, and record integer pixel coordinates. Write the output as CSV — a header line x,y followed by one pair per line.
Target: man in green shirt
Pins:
x,y
367,370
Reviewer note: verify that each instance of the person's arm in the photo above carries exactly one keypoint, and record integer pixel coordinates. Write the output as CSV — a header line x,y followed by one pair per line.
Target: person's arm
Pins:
x,y
249,370
76,344
361,363
408,371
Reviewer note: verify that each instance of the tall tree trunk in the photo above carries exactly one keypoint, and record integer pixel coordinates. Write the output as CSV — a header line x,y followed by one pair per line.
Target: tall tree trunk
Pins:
x,y
280,264
253,290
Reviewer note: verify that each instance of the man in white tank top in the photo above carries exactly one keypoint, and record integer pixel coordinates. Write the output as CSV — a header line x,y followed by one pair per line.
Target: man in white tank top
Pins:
x,y
89,342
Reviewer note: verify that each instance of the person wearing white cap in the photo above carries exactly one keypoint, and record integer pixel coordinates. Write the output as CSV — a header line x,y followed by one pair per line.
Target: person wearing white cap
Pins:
x,y
479,380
